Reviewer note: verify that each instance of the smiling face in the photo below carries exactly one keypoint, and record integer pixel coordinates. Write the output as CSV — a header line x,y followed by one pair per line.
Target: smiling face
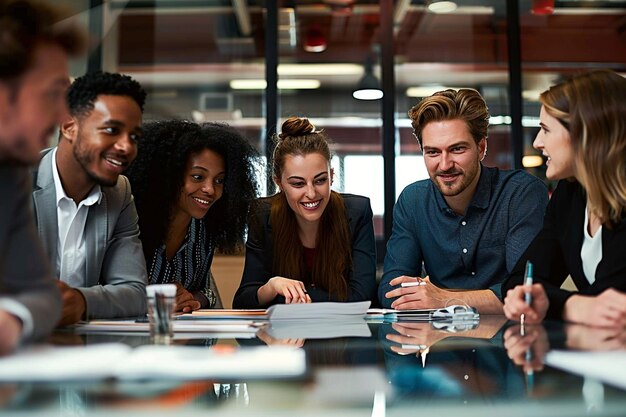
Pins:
x,y
452,157
104,141
30,111
204,183
306,181
554,142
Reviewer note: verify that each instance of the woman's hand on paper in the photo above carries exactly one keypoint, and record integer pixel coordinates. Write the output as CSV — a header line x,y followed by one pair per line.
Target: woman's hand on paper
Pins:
x,y
608,309
294,291
419,296
185,301
515,305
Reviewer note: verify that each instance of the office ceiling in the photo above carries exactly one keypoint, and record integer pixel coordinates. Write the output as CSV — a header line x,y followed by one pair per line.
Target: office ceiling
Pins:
x,y
180,42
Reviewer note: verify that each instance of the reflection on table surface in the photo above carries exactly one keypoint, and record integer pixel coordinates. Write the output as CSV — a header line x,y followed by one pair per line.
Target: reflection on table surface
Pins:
x,y
401,368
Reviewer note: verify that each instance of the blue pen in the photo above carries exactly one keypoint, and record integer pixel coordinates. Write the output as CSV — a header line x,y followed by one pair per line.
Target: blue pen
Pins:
x,y
528,299
528,280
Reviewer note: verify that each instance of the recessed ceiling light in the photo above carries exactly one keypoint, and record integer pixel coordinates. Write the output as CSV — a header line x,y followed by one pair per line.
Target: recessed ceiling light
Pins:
x,y
426,90
258,84
442,6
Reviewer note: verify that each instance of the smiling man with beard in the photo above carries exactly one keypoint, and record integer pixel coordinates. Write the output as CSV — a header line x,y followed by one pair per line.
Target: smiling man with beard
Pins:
x,y
84,208
468,224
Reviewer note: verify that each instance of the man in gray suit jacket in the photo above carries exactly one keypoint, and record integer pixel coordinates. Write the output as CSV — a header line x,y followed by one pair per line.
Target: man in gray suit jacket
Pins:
x,y
84,208
33,80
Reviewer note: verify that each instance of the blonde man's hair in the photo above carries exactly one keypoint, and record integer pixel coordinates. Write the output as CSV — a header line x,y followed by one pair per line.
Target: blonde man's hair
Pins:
x,y
465,104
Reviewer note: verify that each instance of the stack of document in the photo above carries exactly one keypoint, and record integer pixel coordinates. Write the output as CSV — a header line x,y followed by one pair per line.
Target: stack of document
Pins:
x,y
318,311
318,320
119,361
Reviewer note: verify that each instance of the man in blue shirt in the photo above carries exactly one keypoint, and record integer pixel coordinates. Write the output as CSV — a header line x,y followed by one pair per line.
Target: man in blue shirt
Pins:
x,y
468,224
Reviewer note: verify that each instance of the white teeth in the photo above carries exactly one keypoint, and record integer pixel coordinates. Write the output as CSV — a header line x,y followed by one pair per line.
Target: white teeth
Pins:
x,y
201,201
311,205
114,162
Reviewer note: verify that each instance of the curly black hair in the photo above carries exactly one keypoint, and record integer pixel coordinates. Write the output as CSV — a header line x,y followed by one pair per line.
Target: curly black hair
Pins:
x,y
157,177
85,90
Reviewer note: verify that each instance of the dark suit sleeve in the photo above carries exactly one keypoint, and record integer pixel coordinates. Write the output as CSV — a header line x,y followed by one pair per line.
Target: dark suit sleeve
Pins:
x,y
546,254
258,264
362,281
24,273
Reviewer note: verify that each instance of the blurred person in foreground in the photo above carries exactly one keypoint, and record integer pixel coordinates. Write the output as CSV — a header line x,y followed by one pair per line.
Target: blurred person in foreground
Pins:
x,y
35,43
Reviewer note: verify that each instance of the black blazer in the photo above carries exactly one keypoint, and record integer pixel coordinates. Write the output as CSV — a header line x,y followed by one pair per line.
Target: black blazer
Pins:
x,y
259,251
555,252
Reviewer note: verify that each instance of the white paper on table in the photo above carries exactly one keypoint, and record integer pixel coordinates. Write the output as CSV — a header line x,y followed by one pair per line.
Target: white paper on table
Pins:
x,y
317,310
116,360
189,326
605,366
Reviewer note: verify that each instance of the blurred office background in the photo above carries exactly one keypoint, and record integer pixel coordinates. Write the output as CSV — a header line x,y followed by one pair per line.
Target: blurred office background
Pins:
x,y
252,63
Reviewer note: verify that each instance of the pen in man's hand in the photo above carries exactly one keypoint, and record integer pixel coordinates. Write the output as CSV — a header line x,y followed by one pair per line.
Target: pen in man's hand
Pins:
x,y
413,284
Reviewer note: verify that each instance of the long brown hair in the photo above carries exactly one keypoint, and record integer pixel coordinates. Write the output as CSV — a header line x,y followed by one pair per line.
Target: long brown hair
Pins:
x,y
333,247
592,107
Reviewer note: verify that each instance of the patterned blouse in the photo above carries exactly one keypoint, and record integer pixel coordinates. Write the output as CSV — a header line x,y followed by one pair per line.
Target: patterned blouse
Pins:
x,y
191,265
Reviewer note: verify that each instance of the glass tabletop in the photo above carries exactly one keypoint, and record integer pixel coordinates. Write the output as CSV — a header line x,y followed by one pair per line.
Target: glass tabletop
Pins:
x,y
382,369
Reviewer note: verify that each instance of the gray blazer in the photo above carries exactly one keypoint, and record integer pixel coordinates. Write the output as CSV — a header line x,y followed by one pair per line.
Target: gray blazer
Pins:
x,y
24,273
115,284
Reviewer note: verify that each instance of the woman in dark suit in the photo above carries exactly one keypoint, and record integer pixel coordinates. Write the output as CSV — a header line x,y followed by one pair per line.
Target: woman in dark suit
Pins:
x,y
307,243
583,135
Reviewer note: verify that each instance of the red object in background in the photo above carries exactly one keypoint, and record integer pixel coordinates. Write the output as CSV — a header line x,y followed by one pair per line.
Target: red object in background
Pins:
x,y
543,7
314,40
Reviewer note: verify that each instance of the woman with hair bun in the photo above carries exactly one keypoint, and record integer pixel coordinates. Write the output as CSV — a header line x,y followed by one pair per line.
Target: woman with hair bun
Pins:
x,y
307,243
583,135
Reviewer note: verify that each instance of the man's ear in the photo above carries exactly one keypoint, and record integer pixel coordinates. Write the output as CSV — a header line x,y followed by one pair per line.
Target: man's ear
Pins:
x,y
482,148
69,129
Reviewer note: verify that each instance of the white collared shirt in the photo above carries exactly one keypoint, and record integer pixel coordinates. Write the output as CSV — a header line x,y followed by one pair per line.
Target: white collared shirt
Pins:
x,y
591,251
70,262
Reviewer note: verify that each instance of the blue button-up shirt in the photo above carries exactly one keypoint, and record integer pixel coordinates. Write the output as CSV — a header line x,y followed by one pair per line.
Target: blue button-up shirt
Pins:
x,y
476,250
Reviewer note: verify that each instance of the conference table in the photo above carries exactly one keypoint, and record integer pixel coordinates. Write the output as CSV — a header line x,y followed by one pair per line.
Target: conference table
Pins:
x,y
376,368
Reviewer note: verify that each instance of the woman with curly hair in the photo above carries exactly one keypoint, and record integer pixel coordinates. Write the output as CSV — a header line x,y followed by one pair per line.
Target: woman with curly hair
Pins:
x,y
193,185
307,243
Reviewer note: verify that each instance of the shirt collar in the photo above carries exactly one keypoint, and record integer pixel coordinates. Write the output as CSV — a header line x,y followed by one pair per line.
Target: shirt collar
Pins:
x,y
481,197
94,196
